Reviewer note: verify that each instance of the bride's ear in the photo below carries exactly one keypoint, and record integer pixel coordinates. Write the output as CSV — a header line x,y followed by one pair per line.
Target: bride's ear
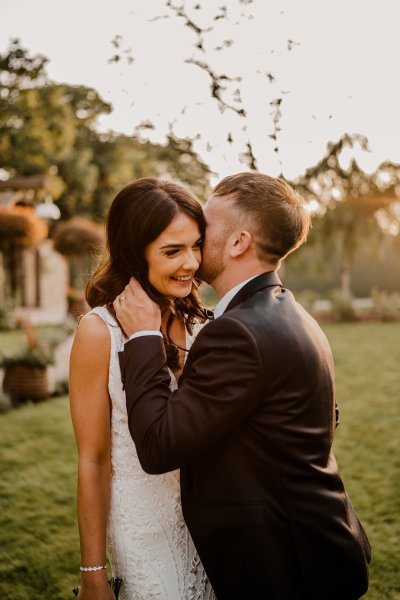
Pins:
x,y
240,242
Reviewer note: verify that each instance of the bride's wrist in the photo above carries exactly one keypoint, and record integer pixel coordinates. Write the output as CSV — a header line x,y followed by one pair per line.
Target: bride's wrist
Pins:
x,y
94,579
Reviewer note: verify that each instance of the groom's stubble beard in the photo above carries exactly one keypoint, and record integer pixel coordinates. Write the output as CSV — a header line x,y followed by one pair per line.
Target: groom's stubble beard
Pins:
x,y
221,223
212,264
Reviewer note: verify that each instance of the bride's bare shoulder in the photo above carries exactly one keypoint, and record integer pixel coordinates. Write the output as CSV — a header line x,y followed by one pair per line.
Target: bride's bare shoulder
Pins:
x,y
92,337
93,325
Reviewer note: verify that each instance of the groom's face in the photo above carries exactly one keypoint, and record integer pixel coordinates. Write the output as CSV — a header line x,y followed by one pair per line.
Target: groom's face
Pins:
x,y
217,233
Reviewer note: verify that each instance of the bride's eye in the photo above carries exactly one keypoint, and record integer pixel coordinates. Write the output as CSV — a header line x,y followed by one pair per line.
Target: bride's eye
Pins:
x,y
171,252
198,245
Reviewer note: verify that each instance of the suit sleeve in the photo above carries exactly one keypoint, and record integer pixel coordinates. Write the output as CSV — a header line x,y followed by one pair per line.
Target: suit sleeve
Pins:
x,y
218,389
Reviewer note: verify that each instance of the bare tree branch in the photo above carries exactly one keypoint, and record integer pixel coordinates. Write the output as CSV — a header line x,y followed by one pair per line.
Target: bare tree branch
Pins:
x,y
217,87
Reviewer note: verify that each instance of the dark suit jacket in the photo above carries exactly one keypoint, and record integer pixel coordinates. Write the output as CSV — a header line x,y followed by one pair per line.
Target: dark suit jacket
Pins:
x,y
251,427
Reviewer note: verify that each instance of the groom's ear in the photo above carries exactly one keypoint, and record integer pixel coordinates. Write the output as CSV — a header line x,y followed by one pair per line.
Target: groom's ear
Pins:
x,y
240,242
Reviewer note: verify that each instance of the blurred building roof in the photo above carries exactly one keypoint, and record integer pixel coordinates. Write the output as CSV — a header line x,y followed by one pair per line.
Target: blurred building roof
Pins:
x,y
33,182
22,189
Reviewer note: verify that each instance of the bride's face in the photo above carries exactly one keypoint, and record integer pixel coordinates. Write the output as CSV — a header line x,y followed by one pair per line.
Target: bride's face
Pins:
x,y
174,257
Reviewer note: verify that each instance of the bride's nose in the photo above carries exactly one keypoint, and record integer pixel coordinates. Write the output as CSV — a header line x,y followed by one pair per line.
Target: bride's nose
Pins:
x,y
191,262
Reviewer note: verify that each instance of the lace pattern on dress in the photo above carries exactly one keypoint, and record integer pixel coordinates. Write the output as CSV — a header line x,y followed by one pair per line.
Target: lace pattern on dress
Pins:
x,y
148,543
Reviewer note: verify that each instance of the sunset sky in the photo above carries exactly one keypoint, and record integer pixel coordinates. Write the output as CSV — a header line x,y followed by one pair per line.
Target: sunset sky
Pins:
x,y
340,74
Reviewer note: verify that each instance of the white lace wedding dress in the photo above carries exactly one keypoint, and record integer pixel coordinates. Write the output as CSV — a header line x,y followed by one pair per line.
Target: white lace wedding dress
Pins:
x,y
149,546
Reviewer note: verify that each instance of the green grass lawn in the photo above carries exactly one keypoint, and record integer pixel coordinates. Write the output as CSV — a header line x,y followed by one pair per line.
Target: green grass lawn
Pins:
x,y
39,549
367,444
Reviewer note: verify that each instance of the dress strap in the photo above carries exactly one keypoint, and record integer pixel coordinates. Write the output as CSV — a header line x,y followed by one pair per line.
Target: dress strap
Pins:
x,y
116,333
103,312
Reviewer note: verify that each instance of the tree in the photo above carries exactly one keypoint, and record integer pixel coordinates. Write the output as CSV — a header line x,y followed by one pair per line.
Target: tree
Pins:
x,y
354,208
119,159
41,121
50,129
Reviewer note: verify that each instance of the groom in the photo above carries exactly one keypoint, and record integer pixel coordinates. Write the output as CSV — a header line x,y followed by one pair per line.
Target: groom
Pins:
x,y
252,423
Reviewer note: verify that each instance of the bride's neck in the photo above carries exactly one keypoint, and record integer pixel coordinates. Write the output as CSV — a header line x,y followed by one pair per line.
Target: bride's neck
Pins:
x,y
165,315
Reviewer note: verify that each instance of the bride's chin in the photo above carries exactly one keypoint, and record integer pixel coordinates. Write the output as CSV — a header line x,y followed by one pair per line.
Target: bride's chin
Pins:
x,y
183,295
174,294
180,290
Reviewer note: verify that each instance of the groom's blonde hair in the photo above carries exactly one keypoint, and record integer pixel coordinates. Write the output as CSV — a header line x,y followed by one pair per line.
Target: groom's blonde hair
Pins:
x,y
272,211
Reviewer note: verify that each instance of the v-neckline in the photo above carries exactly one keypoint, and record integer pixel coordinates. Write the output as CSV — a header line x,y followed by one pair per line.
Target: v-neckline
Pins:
x,y
188,339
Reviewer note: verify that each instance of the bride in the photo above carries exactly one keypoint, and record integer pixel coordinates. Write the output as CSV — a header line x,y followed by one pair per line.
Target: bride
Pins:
x,y
155,231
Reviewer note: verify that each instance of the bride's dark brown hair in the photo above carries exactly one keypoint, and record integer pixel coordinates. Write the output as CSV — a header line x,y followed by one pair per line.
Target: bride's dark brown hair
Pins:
x,y
139,213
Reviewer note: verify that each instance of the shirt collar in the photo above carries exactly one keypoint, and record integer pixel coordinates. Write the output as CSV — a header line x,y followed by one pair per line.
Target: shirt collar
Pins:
x,y
225,300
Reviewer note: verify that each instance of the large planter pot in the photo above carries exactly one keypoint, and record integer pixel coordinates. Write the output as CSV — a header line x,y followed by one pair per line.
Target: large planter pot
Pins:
x,y
24,382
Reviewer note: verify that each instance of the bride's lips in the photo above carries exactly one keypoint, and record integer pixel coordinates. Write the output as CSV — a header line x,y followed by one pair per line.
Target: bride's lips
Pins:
x,y
182,280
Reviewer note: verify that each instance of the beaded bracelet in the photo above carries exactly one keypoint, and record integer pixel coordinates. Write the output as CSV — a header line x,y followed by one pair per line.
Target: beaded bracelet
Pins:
x,y
99,568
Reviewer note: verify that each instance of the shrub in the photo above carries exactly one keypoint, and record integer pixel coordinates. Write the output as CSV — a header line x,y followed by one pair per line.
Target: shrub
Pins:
x,y
7,321
78,237
387,306
21,227
32,354
308,298
38,356
342,306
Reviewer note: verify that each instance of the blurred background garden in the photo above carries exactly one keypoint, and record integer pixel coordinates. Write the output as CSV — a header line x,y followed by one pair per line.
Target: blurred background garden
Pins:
x,y
196,91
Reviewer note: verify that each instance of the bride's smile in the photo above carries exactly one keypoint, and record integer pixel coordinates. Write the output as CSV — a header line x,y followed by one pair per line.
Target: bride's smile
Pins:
x,y
174,257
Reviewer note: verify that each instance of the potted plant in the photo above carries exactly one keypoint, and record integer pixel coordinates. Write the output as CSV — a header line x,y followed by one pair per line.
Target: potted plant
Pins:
x,y
79,240
20,228
25,370
7,321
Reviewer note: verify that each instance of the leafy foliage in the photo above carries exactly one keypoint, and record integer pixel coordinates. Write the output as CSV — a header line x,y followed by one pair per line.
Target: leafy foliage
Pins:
x,y
32,353
20,227
50,129
7,321
120,159
36,356
39,120
80,241
355,208
387,306
78,236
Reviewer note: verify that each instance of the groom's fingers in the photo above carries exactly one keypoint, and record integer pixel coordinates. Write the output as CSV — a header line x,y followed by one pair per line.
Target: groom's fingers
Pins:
x,y
135,310
135,288
136,295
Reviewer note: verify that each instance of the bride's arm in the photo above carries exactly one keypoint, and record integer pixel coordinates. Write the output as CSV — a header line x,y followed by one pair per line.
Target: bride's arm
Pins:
x,y
90,412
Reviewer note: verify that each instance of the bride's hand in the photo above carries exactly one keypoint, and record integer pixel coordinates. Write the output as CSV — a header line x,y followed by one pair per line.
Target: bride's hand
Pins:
x,y
135,310
96,593
95,586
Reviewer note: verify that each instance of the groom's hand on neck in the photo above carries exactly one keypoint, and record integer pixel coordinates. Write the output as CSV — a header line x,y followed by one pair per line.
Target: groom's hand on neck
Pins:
x,y
135,311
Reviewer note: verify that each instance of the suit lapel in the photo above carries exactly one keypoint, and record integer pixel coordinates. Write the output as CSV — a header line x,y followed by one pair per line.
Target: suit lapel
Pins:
x,y
264,280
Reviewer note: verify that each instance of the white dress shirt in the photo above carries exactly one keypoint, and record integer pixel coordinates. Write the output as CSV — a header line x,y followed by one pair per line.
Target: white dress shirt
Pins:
x,y
225,300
